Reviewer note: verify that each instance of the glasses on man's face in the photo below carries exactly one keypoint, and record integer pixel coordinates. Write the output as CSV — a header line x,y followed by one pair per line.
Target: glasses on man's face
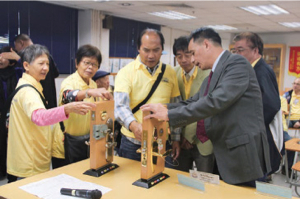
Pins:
x,y
296,84
239,50
86,63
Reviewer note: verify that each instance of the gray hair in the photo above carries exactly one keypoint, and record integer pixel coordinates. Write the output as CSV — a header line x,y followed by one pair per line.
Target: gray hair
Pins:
x,y
30,53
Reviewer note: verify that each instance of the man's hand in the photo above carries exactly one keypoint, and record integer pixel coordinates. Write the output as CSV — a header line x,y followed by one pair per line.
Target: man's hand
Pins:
x,y
80,108
175,149
297,125
158,111
136,129
185,144
10,55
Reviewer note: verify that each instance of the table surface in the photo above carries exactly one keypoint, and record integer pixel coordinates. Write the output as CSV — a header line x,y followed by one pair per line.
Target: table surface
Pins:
x,y
120,181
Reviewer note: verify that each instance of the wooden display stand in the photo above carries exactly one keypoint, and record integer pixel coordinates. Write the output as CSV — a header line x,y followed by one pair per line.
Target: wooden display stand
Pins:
x,y
102,139
153,151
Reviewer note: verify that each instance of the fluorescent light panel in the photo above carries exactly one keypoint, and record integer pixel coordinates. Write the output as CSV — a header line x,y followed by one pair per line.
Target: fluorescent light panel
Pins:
x,y
222,27
172,15
265,10
3,40
290,24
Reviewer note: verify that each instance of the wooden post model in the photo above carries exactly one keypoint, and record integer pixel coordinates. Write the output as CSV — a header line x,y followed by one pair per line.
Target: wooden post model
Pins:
x,y
102,139
153,151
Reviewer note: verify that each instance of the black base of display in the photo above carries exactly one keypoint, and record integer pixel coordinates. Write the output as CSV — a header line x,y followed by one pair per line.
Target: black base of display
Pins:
x,y
151,182
101,171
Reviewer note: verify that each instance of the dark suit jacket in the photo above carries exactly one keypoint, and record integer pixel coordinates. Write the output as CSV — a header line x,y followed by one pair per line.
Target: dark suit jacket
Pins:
x,y
234,122
271,105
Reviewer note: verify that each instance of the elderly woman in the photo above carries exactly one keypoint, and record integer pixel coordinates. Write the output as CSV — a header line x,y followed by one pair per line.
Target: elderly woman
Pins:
x,y
29,133
77,87
9,76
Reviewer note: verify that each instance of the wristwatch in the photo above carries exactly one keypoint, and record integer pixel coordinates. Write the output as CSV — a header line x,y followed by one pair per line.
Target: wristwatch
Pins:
x,y
86,94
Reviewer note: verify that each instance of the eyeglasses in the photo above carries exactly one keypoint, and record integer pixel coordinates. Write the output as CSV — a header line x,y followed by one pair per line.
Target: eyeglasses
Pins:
x,y
240,50
86,63
296,84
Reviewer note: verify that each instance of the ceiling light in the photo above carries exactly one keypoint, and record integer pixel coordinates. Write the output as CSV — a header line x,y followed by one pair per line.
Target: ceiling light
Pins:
x,y
265,10
172,15
290,24
222,27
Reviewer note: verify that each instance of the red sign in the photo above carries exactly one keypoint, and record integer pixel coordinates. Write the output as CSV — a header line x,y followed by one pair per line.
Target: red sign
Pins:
x,y
294,61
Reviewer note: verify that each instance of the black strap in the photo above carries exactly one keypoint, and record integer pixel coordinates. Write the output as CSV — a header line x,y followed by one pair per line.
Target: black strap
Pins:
x,y
11,96
156,83
62,126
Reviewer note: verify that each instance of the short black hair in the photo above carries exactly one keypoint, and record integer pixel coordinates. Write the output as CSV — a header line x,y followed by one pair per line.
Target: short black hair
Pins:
x,y
147,30
22,37
181,43
253,38
30,53
206,33
8,49
88,51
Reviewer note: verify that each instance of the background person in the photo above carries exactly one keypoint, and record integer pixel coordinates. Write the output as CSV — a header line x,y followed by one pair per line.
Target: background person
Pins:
x,y
250,45
79,86
9,77
190,79
21,42
293,99
29,140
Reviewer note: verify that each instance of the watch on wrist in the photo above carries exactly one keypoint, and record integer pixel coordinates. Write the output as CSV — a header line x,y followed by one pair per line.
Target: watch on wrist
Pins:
x,y
86,94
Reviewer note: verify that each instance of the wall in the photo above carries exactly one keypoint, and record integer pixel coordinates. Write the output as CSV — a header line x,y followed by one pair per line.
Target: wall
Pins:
x,y
46,24
289,39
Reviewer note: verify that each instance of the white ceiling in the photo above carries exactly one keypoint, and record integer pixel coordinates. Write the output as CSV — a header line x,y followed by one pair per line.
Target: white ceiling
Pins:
x,y
206,13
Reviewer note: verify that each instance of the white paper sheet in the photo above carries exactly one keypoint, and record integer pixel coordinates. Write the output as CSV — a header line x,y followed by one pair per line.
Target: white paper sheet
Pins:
x,y
49,188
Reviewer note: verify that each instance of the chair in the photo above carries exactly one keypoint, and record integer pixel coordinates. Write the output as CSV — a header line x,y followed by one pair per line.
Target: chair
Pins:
x,y
293,145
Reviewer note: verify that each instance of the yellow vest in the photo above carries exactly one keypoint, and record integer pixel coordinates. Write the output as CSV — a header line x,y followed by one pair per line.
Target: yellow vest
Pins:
x,y
76,124
295,107
135,80
189,132
29,145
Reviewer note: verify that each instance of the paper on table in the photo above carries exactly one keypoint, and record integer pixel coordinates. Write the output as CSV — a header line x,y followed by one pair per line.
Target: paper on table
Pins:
x,y
49,188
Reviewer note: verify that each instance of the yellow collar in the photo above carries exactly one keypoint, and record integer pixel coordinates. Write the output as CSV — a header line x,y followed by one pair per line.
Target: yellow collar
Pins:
x,y
32,81
255,62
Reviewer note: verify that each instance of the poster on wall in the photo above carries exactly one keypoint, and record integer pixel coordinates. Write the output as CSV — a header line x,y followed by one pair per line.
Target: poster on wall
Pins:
x,y
117,63
294,61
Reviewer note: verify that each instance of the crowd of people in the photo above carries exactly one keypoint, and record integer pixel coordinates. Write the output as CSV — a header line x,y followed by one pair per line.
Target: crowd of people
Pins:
x,y
222,108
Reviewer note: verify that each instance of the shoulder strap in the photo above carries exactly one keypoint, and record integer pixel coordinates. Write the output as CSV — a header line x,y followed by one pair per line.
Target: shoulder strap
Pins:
x,y
156,83
11,96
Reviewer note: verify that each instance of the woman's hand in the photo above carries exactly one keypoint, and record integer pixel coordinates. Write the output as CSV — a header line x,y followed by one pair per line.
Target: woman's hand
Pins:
x,y
100,92
80,108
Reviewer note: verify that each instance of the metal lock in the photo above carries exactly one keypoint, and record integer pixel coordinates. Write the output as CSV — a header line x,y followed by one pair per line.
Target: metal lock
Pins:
x,y
99,131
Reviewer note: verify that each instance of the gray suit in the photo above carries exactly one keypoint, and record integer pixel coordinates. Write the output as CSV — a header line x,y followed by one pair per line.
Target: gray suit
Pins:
x,y
234,121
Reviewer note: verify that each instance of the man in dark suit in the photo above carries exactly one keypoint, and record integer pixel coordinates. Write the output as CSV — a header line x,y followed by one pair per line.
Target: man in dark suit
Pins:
x,y
231,108
250,45
49,90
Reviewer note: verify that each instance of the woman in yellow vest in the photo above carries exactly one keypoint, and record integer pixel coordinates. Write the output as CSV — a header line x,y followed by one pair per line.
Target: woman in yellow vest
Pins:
x,y
79,86
29,133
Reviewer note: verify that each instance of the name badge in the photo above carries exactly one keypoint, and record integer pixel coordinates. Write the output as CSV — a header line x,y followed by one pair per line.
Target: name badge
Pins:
x,y
296,101
205,177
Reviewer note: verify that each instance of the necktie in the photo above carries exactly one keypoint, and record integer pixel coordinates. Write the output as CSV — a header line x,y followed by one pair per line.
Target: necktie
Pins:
x,y
187,77
201,133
